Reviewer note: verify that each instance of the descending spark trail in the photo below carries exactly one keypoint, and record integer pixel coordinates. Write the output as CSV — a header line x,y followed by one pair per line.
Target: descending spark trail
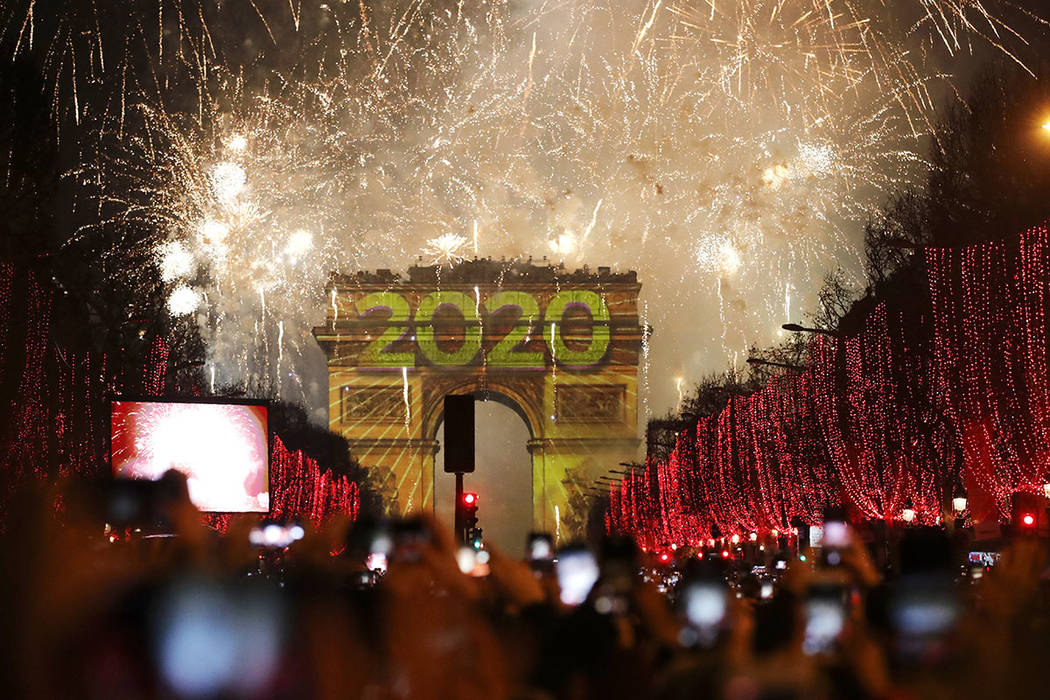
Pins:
x,y
726,150
404,396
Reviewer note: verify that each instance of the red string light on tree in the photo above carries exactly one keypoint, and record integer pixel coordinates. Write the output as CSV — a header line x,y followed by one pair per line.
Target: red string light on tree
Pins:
x,y
989,314
56,425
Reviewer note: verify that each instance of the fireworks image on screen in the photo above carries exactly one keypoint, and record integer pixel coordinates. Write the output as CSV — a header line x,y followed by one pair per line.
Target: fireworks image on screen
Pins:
x,y
222,450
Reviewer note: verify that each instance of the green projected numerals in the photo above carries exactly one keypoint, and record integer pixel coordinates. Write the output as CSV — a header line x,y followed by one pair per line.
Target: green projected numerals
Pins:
x,y
599,327
506,352
503,354
466,353
400,317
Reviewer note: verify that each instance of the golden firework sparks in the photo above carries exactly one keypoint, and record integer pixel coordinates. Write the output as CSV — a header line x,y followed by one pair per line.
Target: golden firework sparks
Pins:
x,y
721,148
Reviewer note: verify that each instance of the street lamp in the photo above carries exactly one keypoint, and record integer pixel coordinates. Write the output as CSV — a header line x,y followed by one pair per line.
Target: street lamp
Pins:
x,y
795,328
959,499
908,513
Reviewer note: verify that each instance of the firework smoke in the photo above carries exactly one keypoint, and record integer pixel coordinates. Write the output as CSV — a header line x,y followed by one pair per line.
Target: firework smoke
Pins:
x,y
728,151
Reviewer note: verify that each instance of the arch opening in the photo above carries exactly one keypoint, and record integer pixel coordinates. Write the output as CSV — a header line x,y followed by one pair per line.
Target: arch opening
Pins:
x,y
502,477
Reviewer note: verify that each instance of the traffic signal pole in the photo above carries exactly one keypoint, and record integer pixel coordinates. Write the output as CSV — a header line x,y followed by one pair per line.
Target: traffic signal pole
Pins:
x,y
460,527
459,451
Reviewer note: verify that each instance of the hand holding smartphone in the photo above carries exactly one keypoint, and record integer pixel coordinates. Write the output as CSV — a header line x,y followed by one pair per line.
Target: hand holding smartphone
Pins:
x,y
825,611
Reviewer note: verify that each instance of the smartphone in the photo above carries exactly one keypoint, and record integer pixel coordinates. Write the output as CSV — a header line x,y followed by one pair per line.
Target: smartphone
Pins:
x,y
985,559
540,547
835,537
836,534
129,503
577,572
924,610
139,504
766,590
366,579
377,562
409,536
825,611
213,639
539,552
466,559
705,603
833,534
380,548
273,535
473,562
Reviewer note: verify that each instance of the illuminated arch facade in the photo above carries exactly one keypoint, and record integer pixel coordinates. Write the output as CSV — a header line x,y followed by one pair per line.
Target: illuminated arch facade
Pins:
x,y
560,348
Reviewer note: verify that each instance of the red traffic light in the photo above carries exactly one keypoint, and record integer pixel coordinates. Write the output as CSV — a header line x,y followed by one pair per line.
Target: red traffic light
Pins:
x,y
725,553
665,556
470,499
1028,519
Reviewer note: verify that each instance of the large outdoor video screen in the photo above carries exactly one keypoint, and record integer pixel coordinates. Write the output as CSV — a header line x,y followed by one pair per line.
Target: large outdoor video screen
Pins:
x,y
223,449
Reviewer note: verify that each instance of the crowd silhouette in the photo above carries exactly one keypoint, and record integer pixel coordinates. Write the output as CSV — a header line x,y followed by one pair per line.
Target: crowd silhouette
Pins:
x,y
110,600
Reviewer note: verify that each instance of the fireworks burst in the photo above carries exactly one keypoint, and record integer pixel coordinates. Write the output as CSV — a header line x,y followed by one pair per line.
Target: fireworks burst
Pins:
x,y
728,151
183,301
446,249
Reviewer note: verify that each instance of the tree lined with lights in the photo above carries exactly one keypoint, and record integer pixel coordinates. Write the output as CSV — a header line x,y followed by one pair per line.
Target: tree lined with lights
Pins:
x,y
930,386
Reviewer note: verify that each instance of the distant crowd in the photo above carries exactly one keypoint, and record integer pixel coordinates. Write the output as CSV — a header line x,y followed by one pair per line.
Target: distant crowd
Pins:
x,y
123,593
